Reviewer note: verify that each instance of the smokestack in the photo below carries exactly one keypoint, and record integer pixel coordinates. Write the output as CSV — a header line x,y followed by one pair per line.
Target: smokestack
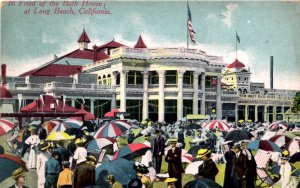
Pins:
x,y
271,73
3,74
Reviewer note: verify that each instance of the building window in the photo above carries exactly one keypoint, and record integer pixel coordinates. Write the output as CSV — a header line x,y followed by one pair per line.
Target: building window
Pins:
x,y
99,80
134,78
108,79
239,78
153,77
104,80
171,77
130,77
188,77
118,79
245,78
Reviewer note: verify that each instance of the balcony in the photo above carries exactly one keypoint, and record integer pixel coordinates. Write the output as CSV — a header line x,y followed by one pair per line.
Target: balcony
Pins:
x,y
187,86
211,90
153,86
75,87
26,86
134,86
225,92
171,86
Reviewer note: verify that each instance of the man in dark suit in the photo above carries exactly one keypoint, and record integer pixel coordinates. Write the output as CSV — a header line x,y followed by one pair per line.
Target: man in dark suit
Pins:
x,y
19,176
230,157
84,173
173,159
159,147
242,170
208,168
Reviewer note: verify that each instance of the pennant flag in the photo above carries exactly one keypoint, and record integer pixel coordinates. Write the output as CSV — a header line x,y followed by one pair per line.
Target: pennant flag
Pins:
x,y
238,38
190,26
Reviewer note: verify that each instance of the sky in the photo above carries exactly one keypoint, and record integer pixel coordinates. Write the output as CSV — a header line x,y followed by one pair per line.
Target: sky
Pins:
x,y
265,28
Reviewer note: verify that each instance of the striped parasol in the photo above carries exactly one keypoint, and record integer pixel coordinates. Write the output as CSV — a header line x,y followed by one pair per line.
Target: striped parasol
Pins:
x,y
73,123
265,145
122,123
5,126
109,130
131,151
293,146
278,125
49,125
280,140
60,128
223,126
99,143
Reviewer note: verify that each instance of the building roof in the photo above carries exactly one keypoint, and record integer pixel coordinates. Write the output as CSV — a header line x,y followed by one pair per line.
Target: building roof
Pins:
x,y
101,56
140,43
48,100
111,44
236,64
48,69
4,93
84,37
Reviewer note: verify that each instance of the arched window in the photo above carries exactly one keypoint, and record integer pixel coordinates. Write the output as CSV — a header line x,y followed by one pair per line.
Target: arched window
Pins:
x,y
104,80
99,80
245,91
108,79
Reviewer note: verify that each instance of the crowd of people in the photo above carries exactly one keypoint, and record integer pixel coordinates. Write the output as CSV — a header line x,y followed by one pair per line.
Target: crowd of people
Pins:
x,y
69,163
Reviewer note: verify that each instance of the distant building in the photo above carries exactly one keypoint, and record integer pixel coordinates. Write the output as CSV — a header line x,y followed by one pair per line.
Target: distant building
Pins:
x,y
163,84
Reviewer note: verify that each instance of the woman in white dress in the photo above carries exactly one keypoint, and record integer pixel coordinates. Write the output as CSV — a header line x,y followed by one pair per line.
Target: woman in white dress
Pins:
x,y
33,140
42,158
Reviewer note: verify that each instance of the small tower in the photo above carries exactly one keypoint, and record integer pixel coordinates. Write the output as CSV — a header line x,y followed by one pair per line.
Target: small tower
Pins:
x,y
83,41
140,43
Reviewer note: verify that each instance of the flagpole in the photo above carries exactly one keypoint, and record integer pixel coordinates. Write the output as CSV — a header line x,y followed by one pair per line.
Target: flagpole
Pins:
x,y
187,26
235,44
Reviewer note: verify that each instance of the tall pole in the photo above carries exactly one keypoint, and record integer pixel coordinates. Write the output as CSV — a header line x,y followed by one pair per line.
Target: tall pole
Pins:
x,y
187,26
235,44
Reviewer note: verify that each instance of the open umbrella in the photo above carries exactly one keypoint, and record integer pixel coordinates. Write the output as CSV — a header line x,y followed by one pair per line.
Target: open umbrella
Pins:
x,y
192,168
265,145
5,126
60,127
49,125
238,135
223,126
293,146
55,136
109,130
122,123
73,123
111,114
78,133
140,139
194,150
8,164
295,158
122,169
278,125
280,140
131,151
192,126
100,143
202,183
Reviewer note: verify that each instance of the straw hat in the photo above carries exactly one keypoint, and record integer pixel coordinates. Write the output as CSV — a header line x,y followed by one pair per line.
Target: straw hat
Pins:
x,y
78,141
173,140
170,180
44,146
19,172
203,152
91,158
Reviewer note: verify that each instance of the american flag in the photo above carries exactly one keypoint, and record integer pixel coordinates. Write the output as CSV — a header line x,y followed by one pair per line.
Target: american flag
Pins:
x,y
190,26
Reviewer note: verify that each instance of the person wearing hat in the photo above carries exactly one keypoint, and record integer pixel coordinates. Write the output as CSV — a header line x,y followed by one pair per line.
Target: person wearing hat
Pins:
x,y
158,151
173,158
80,153
241,167
52,170
208,168
64,154
84,173
286,180
19,175
171,182
33,141
112,182
65,177
251,178
41,159
230,158
148,156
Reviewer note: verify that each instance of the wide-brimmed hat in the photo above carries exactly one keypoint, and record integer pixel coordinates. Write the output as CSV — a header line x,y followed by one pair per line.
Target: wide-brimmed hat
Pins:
x,y
32,128
43,146
203,152
173,140
78,141
170,180
17,173
91,158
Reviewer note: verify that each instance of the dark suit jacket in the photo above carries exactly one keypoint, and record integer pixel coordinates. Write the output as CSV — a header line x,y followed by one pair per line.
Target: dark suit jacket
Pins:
x,y
175,165
13,186
241,166
84,175
208,169
159,146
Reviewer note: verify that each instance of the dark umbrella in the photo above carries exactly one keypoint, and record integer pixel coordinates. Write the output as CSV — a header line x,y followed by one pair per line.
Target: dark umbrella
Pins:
x,y
238,135
202,183
122,169
131,151
192,126
295,157
90,126
73,131
8,164
194,150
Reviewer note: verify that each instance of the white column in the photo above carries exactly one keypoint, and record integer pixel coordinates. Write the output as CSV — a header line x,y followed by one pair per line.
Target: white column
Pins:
x,y
161,100
92,109
274,113
145,96
196,92
113,86
203,93
256,113
180,94
123,82
246,112
219,95
266,116
236,112
73,102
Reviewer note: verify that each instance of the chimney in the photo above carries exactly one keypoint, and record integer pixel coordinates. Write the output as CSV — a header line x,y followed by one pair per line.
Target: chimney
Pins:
x,y
271,73
3,74
95,52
